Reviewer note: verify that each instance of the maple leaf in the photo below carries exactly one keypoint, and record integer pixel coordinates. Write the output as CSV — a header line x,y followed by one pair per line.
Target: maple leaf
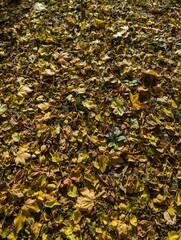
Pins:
x,y
86,201
21,156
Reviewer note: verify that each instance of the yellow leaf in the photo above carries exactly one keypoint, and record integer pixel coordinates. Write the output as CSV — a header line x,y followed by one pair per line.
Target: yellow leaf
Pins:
x,y
122,228
72,191
150,72
133,220
104,218
24,90
168,112
43,106
30,206
88,104
86,201
114,223
21,156
99,230
103,162
173,103
171,210
3,108
19,222
96,164
91,178
51,203
135,101
76,216
94,139
159,199
12,236
45,237
172,235
100,22
178,200
35,229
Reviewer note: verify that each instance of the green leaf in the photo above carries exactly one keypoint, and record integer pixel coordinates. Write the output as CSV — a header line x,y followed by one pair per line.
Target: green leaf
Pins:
x,y
121,138
117,132
111,144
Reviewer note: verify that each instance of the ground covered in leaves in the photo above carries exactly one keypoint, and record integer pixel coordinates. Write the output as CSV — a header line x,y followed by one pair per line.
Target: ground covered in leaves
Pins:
x,y
90,120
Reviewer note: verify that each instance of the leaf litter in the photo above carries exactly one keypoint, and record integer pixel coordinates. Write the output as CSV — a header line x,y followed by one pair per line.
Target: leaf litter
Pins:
x,y
90,119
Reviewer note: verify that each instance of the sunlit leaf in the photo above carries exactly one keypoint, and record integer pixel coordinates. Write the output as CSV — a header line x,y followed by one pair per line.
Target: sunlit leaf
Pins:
x,y
72,191
44,106
19,222
172,235
119,34
122,228
24,90
86,201
21,157
133,220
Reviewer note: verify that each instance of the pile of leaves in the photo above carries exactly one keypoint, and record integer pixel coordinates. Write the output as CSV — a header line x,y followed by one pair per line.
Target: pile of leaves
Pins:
x,y
90,120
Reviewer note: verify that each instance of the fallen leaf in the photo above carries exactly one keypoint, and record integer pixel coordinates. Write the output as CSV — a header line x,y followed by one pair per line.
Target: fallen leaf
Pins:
x,y
133,220
43,106
30,206
86,201
24,90
3,108
173,235
72,191
170,220
35,230
19,222
88,104
135,101
121,33
76,216
21,156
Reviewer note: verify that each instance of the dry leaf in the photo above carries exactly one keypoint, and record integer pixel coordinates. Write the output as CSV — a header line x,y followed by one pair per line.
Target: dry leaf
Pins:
x,y
24,90
43,106
86,201
21,156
